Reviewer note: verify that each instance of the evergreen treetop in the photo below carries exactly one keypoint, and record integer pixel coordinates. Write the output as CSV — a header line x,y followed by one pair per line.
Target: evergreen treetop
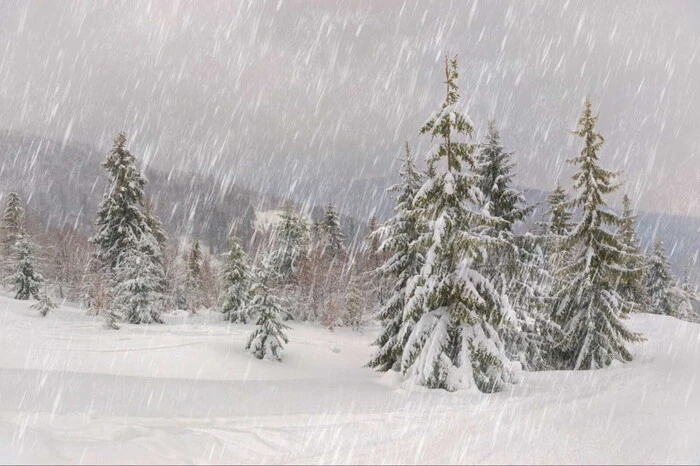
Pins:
x,y
120,223
495,169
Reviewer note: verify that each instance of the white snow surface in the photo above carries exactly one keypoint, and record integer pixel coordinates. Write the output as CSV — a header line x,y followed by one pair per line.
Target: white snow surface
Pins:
x,y
187,392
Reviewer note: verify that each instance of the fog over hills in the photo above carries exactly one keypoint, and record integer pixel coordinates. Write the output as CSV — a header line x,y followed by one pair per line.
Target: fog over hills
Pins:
x,y
63,183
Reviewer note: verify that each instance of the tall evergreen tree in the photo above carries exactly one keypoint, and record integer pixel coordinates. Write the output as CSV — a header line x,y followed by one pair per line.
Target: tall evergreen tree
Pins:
x,y
330,236
399,239
514,262
12,222
193,279
291,243
454,343
236,278
557,217
631,288
27,281
120,222
587,304
138,279
268,339
659,281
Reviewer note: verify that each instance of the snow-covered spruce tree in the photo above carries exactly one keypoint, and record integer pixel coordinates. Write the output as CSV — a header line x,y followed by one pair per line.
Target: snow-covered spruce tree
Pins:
x,y
330,236
325,267
631,289
154,223
494,167
120,222
514,262
291,244
137,286
587,305
193,279
659,281
268,339
399,239
44,305
683,297
12,222
557,217
26,279
555,227
353,306
374,285
236,278
455,343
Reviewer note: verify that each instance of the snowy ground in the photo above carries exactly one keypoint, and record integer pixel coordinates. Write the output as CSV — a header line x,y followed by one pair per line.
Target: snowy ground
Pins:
x,y
186,392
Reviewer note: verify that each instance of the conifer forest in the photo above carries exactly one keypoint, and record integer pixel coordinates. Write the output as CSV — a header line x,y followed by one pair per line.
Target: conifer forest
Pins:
x,y
396,232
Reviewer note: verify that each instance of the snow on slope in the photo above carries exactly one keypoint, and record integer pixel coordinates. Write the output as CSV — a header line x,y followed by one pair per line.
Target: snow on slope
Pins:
x,y
186,392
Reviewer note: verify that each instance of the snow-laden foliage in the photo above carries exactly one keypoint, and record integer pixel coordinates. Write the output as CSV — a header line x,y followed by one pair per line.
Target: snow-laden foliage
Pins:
x,y
120,223
631,287
137,287
399,239
494,167
44,305
353,317
193,278
268,339
328,236
659,281
290,244
12,222
454,343
515,263
26,279
587,304
237,282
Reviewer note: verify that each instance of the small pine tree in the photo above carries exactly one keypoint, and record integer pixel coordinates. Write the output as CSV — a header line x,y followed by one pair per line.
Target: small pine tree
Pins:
x,y
26,279
138,280
399,239
236,278
268,339
44,305
683,297
353,308
659,281
587,305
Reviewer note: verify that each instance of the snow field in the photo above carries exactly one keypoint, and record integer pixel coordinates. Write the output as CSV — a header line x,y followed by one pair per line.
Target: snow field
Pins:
x,y
187,392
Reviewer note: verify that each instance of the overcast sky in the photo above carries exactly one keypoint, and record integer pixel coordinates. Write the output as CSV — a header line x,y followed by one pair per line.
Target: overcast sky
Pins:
x,y
274,91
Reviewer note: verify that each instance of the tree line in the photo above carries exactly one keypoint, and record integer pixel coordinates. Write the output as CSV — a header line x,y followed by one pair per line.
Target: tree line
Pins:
x,y
461,297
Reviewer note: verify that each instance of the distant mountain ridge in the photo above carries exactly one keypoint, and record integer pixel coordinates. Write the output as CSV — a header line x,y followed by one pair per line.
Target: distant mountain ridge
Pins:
x,y
63,183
